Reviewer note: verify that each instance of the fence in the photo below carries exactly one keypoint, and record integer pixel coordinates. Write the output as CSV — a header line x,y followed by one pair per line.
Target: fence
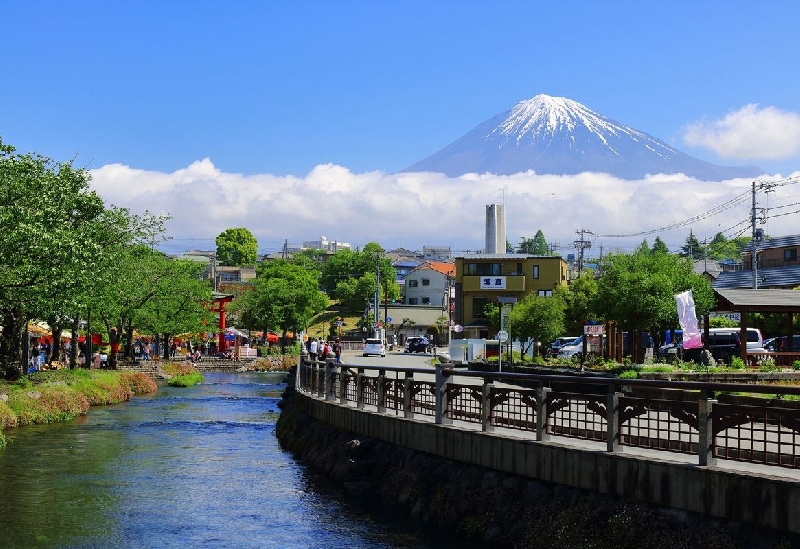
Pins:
x,y
684,417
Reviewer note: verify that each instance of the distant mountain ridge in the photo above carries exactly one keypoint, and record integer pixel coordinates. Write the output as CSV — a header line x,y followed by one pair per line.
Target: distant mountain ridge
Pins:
x,y
556,135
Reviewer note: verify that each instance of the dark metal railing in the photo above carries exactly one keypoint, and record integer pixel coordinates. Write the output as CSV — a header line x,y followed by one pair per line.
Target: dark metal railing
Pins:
x,y
684,417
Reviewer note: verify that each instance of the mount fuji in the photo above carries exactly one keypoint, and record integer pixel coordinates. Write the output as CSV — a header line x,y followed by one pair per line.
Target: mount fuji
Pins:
x,y
556,135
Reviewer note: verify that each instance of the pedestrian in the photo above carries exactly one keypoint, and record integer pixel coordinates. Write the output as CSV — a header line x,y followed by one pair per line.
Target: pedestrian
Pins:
x,y
323,350
145,350
337,350
312,349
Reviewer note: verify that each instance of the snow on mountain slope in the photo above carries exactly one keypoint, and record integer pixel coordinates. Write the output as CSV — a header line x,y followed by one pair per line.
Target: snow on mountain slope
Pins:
x,y
556,135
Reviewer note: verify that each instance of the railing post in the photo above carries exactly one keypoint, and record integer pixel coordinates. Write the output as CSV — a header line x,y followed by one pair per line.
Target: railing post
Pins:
x,y
612,419
486,406
408,385
541,412
360,388
319,377
329,373
441,397
381,391
705,425
342,384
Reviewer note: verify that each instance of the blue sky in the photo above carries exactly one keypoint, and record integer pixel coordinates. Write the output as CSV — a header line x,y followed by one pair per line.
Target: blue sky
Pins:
x,y
272,92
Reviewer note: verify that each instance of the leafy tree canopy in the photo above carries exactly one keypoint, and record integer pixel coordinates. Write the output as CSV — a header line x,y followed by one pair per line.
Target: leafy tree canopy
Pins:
x,y
538,318
637,291
534,246
237,247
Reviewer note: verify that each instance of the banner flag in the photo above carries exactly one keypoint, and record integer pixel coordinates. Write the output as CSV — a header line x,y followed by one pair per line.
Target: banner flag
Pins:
x,y
688,320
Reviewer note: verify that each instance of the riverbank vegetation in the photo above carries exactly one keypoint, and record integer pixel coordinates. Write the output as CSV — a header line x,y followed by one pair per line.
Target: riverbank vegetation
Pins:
x,y
181,374
62,395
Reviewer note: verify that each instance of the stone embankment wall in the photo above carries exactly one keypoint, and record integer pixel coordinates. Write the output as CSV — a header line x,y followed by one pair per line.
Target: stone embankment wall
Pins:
x,y
494,508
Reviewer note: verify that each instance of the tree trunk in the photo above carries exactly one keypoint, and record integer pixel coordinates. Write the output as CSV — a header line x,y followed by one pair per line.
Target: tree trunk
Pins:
x,y
73,354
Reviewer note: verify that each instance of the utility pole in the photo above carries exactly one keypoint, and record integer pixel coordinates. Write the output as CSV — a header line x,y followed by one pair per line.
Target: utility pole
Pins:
x,y
753,262
581,245
377,289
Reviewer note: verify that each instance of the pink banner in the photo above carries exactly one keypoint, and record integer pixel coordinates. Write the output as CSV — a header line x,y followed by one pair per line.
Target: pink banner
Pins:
x,y
688,320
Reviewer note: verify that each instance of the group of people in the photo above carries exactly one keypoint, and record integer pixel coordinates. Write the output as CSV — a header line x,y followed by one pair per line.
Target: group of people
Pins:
x,y
322,349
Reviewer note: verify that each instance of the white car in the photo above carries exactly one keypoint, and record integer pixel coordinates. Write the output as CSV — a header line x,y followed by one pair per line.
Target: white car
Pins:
x,y
571,349
374,347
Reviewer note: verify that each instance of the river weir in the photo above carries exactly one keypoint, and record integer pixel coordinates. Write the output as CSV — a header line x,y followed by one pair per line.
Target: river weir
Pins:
x,y
196,467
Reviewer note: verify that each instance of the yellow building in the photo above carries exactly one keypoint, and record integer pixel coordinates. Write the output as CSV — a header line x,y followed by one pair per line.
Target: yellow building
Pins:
x,y
483,279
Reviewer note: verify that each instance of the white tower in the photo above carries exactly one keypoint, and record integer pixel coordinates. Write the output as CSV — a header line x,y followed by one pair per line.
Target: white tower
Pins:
x,y
495,229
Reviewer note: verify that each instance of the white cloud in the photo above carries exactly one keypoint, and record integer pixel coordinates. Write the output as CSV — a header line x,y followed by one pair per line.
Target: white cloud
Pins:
x,y
416,209
749,133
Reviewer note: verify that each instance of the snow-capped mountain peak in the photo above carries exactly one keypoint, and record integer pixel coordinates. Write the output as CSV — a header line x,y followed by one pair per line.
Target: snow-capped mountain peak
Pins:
x,y
561,136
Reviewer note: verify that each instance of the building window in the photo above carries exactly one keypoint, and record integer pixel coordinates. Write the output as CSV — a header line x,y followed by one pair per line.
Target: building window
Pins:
x,y
426,301
535,271
426,282
413,283
483,269
545,293
412,300
790,255
478,306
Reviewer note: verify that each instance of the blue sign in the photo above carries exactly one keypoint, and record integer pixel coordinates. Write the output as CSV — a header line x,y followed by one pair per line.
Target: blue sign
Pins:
x,y
388,319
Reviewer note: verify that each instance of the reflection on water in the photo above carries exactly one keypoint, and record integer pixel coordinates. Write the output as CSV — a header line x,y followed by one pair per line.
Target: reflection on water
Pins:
x,y
183,468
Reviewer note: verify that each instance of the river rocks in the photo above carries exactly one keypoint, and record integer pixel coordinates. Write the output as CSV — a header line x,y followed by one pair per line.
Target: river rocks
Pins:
x,y
35,395
3,397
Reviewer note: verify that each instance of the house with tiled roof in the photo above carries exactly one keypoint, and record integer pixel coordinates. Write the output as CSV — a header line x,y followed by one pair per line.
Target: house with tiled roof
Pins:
x,y
429,284
777,265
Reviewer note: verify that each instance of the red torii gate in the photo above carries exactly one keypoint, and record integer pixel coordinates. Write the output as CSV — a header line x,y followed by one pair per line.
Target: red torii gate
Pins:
x,y
217,305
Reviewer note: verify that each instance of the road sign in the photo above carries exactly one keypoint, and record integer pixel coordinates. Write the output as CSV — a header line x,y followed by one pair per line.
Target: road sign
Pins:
x,y
388,319
502,335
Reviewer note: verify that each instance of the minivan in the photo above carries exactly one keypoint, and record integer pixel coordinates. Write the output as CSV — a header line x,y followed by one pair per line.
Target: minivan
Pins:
x,y
374,347
755,341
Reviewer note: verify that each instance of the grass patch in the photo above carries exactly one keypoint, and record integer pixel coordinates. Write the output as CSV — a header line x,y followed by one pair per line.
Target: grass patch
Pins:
x,y
185,380
62,395
182,374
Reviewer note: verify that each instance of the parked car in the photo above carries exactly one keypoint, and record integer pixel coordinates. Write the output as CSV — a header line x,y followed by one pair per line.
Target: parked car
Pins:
x,y
781,344
574,347
722,345
374,347
552,349
417,344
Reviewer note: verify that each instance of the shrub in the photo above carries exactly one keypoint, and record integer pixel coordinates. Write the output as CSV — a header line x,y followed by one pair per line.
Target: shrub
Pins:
x,y
629,374
7,417
796,365
2,441
768,366
737,363
138,382
185,380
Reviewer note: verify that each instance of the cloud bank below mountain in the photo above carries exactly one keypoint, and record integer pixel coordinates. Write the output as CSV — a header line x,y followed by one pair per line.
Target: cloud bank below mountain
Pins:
x,y
416,209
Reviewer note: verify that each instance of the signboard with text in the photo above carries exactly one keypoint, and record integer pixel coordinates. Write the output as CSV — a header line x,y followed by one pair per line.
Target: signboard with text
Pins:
x,y
736,317
493,283
594,329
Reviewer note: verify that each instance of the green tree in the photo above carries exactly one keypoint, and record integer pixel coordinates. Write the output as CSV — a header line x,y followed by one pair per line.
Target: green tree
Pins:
x,y
692,248
637,291
237,247
285,298
349,277
537,319
659,247
534,246
52,245
723,248
578,298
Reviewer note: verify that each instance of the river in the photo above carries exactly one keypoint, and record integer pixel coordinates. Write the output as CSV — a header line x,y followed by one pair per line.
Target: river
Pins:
x,y
183,468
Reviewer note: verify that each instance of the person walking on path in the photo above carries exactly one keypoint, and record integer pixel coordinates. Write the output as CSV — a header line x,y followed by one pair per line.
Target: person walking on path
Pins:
x,y
312,349
337,350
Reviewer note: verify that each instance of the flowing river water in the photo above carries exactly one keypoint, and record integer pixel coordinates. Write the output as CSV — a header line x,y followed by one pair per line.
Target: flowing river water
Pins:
x,y
183,468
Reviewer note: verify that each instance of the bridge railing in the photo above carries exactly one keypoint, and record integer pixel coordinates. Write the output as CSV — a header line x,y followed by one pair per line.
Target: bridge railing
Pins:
x,y
684,417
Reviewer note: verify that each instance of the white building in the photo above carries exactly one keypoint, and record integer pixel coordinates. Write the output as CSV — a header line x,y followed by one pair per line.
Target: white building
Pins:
x,y
323,243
